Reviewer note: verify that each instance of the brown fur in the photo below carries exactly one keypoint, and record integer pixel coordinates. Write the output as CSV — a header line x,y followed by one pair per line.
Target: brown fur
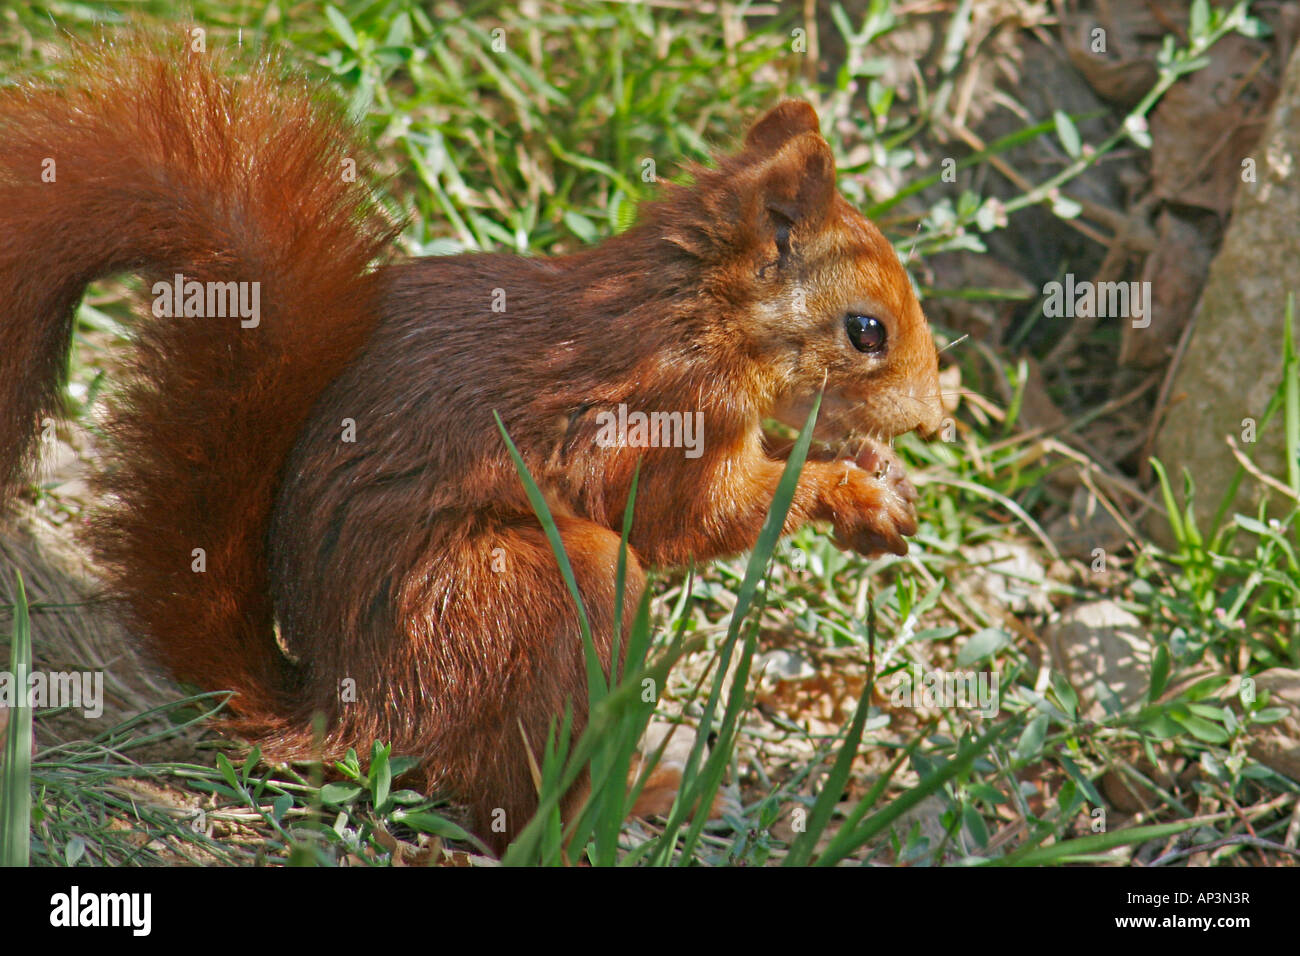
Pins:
x,y
376,557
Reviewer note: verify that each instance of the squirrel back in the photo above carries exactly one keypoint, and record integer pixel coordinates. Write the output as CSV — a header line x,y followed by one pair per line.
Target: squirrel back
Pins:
x,y
148,160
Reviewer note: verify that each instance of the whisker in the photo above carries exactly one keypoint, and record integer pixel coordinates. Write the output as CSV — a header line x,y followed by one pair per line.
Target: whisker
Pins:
x,y
912,248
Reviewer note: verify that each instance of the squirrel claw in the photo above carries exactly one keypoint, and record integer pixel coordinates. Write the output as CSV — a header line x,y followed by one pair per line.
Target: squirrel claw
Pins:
x,y
882,512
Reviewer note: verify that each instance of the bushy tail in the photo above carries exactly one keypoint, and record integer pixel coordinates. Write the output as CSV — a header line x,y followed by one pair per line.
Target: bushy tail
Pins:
x,y
145,157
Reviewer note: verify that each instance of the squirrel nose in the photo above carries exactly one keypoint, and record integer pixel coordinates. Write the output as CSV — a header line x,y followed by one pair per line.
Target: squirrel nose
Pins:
x,y
935,423
930,409
929,428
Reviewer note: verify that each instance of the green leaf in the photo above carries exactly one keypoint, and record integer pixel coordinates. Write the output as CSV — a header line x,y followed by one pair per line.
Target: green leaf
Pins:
x,y
228,772
403,798
982,644
250,763
879,98
1171,505
1254,28
1209,711
333,794
987,793
282,805
1161,726
400,765
1067,133
1081,780
1030,744
74,851
986,217
1159,673
1202,729
1066,208
1253,526
581,226
427,822
350,765
1198,24
1065,694
342,29
381,775
1139,135
974,825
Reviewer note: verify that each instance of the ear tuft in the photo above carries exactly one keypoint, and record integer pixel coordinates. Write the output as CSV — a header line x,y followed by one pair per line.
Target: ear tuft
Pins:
x,y
781,124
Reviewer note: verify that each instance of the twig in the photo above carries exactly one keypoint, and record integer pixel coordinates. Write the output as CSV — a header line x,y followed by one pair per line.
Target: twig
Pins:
x,y
977,143
1293,827
1239,840
1251,467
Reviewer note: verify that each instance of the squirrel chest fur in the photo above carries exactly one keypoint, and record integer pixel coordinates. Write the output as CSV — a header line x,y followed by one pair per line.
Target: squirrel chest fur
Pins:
x,y
340,463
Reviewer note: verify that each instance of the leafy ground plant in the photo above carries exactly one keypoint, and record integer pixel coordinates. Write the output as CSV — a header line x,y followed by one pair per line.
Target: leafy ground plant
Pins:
x,y
537,128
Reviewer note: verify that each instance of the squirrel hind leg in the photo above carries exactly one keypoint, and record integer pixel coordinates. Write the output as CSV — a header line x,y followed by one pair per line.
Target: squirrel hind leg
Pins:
x,y
518,658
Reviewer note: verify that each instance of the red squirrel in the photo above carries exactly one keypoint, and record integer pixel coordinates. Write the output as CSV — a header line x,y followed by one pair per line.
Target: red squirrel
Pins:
x,y
319,492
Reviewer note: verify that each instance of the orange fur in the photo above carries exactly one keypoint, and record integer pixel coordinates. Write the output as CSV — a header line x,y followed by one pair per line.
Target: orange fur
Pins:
x,y
381,558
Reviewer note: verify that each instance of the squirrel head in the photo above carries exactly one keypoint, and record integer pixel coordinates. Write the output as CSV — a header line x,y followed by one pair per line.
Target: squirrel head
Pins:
x,y
810,292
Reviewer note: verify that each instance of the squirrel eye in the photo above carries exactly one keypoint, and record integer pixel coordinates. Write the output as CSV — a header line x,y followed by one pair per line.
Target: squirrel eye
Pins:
x,y
866,332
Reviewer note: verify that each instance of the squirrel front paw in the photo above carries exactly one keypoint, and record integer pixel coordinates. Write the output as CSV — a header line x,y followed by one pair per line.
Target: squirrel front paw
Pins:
x,y
872,503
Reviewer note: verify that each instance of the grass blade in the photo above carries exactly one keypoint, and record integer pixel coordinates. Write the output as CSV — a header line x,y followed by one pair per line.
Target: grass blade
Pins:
x,y
16,772
847,841
691,795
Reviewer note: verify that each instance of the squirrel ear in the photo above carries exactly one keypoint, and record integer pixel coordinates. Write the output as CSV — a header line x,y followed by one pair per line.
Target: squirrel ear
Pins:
x,y
780,124
798,183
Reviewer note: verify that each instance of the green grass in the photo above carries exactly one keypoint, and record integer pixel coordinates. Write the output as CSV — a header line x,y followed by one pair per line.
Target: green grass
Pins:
x,y
16,762
541,147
